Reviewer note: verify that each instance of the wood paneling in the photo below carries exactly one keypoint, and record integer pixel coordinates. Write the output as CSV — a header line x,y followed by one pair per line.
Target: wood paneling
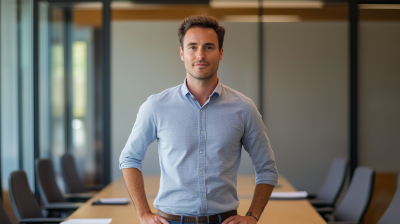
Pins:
x,y
87,18
390,15
335,12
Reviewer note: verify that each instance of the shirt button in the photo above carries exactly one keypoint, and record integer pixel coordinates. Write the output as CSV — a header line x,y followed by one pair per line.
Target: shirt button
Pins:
x,y
201,172
202,195
201,111
201,152
202,132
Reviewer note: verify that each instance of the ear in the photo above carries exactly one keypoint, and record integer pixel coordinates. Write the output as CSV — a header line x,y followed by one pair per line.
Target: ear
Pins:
x,y
221,54
181,51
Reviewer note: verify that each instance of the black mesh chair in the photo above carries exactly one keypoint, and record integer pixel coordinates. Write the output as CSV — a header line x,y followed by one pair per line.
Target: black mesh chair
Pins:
x,y
392,213
51,194
356,201
3,215
333,184
24,204
73,184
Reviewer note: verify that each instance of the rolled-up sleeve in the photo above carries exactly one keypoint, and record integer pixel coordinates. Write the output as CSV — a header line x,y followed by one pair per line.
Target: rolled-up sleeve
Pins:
x,y
144,132
255,141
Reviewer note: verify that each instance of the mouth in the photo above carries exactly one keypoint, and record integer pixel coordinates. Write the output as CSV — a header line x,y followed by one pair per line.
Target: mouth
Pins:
x,y
200,64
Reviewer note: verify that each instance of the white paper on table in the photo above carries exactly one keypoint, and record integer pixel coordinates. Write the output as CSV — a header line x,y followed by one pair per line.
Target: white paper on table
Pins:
x,y
88,221
288,195
113,200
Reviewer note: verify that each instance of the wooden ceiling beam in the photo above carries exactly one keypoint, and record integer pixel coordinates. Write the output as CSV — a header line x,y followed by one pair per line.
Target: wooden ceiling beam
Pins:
x,y
92,17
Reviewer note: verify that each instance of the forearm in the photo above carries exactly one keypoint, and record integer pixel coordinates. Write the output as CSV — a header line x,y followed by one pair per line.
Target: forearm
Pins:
x,y
135,185
261,196
260,199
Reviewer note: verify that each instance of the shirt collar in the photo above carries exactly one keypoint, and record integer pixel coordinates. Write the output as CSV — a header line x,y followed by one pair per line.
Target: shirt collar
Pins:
x,y
218,88
184,88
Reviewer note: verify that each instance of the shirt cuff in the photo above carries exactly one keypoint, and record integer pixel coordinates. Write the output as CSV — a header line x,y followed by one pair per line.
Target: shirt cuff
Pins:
x,y
267,178
130,163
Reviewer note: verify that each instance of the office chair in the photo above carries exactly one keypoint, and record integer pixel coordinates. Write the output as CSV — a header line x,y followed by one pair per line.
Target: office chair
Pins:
x,y
333,184
3,215
24,203
355,203
392,213
48,188
73,184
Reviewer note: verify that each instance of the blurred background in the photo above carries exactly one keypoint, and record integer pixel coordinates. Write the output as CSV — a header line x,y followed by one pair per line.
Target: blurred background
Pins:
x,y
74,74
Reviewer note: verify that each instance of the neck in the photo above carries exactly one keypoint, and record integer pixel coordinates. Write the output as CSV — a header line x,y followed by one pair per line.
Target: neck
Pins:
x,y
201,89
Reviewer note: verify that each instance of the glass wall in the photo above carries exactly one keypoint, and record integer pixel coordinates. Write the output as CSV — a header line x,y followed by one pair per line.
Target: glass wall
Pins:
x,y
71,88
70,53
26,89
9,90
16,90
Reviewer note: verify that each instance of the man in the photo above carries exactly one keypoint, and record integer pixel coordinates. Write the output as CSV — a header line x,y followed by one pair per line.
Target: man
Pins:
x,y
200,126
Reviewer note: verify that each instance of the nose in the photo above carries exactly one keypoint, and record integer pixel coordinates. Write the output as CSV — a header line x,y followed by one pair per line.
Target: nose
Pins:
x,y
200,54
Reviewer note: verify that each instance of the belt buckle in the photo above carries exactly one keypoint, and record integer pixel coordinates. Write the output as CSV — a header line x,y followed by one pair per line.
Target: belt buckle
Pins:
x,y
197,219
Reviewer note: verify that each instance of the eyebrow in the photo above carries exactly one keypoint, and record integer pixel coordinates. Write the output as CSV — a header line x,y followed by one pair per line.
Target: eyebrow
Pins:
x,y
193,44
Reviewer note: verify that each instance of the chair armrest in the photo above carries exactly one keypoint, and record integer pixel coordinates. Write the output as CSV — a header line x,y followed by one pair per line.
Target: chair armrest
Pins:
x,y
318,203
311,196
41,220
325,210
78,197
62,206
95,187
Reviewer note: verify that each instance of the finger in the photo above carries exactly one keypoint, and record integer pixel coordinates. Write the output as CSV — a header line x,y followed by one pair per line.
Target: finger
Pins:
x,y
236,221
226,221
162,220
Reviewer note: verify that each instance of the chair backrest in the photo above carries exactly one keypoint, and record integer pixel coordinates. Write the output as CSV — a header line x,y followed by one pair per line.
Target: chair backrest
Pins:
x,y
392,213
46,179
73,183
3,215
334,182
22,200
358,196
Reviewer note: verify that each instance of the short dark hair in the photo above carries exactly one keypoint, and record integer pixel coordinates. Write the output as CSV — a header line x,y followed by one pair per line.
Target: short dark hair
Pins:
x,y
201,21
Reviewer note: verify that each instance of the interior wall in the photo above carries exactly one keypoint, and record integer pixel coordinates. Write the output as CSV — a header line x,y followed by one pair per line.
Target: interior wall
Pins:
x,y
146,61
306,98
379,96
305,86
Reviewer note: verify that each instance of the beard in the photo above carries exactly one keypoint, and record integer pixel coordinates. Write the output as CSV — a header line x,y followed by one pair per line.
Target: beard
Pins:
x,y
204,76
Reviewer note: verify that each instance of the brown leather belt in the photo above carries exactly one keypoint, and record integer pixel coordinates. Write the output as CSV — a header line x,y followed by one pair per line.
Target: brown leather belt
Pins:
x,y
198,219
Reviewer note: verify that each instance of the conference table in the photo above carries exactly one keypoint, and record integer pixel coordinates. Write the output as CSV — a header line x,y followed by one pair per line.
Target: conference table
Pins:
x,y
276,211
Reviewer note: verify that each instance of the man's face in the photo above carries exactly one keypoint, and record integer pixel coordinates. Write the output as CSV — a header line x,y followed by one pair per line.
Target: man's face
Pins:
x,y
200,52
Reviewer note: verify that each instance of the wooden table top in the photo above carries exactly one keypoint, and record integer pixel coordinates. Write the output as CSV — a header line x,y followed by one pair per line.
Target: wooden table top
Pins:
x,y
276,212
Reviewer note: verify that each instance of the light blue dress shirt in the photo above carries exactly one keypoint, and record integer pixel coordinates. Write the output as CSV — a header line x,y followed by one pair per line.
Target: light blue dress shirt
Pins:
x,y
200,148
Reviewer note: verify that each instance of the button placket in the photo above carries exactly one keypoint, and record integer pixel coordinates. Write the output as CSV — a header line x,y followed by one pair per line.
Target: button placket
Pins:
x,y
201,160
